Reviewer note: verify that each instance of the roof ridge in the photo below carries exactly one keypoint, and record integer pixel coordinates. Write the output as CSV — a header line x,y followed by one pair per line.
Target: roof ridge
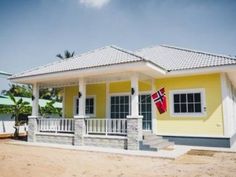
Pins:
x,y
198,51
128,52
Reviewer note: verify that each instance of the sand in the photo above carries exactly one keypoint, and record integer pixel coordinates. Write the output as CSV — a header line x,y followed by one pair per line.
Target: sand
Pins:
x,y
29,161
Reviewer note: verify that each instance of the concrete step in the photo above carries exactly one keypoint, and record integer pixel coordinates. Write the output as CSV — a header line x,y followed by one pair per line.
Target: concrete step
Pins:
x,y
152,137
151,141
146,147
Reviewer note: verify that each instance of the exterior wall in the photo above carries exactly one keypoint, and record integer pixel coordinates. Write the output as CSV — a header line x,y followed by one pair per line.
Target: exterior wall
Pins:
x,y
103,141
229,106
210,124
99,91
67,139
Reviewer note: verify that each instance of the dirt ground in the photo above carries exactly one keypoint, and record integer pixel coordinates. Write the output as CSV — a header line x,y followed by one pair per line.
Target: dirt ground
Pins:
x,y
28,161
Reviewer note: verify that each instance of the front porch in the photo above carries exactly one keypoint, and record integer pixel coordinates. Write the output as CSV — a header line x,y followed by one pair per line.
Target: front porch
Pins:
x,y
121,129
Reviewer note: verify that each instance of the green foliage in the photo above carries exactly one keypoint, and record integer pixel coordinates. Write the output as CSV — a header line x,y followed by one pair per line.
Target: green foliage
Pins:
x,y
67,55
51,94
49,109
19,91
18,108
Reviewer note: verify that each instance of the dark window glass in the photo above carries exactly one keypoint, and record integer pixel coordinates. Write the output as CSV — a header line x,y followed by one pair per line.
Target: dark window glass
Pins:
x,y
112,100
122,100
197,97
198,107
127,100
190,97
183,98
190,108
176,98
117,100
183,108
176,108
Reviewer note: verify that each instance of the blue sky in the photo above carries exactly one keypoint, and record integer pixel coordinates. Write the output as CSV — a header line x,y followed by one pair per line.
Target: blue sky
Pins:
x,y
32,32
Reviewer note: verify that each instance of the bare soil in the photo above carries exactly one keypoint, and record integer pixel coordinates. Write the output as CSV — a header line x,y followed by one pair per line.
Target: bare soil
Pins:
x,y
28,161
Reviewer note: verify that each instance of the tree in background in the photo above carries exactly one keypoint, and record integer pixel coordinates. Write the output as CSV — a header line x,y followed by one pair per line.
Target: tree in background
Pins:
x,y
19,108
49,109
67,55
26,91
19,90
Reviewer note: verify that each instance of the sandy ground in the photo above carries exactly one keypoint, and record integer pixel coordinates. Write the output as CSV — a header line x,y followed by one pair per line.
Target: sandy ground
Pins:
x,y
28,161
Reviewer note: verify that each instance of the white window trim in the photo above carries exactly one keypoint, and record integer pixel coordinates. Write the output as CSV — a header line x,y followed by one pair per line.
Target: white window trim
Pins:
x,y
94,102
186,91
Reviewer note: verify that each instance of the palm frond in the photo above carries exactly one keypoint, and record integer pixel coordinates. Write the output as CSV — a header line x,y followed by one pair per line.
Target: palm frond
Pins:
x,y
60,56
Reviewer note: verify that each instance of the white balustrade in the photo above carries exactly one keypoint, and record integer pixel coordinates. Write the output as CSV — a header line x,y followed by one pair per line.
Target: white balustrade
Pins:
x,y
57,125
106,126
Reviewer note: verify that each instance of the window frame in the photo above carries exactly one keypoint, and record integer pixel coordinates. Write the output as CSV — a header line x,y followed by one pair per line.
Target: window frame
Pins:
x,y
188,114
94,105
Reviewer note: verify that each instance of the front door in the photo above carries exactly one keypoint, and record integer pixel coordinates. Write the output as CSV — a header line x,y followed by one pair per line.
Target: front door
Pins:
x,y
145,109
120,108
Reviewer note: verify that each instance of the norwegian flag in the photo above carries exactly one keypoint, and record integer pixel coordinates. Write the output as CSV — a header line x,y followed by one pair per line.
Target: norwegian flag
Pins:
x,y
159,99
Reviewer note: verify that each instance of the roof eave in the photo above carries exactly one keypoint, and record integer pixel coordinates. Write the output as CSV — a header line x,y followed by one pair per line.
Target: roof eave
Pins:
x,y
210,69
134,66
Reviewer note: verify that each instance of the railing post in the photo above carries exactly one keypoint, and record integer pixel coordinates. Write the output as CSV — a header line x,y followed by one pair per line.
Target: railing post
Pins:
x,y
32,128
134,132
106,127
80,130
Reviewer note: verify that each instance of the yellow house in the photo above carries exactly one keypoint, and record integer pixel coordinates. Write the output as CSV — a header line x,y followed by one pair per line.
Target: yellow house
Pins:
x,y
107,93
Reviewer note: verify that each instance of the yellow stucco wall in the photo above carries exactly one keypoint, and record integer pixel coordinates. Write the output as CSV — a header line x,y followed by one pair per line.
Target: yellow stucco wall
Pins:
x,y
97,90
211,124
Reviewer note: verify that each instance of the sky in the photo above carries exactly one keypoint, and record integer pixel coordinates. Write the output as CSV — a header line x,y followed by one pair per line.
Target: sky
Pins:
x,y
33,32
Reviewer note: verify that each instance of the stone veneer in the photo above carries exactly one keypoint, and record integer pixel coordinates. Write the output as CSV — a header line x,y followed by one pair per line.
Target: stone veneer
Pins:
x,y
134,132
54,138
117,142
79,137
32,128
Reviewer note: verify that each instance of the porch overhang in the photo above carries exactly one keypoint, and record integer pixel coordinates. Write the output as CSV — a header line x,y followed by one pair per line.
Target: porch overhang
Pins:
x,y
96,74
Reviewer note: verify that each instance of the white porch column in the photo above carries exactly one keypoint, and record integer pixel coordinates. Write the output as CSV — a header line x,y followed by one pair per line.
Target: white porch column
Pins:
x,y
80,127
35,100
134,121
134,96
82,99
32,120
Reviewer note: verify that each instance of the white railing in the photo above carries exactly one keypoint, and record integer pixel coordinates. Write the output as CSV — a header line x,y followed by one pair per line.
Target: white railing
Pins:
x,y
57,125
106,126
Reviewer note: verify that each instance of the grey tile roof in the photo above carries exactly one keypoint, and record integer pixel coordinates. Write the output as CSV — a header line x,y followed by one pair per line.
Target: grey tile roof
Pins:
x,y
168,58
108,55
175,58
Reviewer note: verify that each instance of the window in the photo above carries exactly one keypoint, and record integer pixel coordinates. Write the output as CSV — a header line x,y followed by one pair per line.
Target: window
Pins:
x,y
89,108
187,102
119,106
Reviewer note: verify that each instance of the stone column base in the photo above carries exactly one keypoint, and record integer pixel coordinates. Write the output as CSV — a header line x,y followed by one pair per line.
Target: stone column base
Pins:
x,y
134,132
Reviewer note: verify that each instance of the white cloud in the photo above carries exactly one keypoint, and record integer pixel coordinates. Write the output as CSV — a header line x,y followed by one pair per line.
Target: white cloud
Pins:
x,y
94,3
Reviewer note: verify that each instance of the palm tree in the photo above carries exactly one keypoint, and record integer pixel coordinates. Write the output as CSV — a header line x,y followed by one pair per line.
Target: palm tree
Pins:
x,y
67,55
